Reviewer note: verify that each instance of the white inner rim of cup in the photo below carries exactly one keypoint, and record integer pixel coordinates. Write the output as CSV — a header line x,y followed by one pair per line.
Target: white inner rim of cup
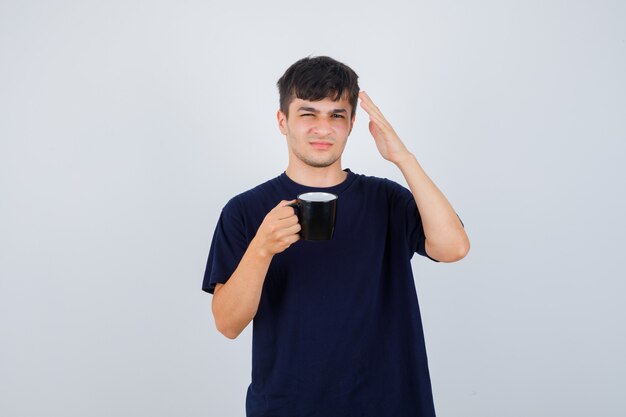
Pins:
x,y
317,196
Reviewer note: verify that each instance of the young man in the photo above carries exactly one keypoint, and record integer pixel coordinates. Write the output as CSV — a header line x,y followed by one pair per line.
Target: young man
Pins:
x,y
337,329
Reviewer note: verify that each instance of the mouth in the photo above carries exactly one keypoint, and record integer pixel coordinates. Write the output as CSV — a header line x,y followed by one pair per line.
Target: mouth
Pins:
x,y
318,144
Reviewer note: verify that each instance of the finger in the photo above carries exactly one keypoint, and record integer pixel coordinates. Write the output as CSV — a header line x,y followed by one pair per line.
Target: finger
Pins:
x,y
287,222
374,112
370,112
381,128
365,97
367,105
291,239
367,101
284,211
293,230
283,231
375,129
287,235
374,116
283,203
378,117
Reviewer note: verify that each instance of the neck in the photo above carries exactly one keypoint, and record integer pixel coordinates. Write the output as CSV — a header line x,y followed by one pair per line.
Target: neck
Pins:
x,y
317,177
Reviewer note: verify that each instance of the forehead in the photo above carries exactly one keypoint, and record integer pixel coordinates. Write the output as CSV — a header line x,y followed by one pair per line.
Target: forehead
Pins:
x,y
324,105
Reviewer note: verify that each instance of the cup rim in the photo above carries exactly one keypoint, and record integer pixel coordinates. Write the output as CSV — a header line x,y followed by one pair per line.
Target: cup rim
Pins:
x,y
320,194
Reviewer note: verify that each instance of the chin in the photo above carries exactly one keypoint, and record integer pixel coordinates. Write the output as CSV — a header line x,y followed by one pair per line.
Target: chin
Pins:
x,y
317,162
322,164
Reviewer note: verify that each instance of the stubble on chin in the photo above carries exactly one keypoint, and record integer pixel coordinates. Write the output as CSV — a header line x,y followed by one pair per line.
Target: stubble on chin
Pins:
x,y
316,163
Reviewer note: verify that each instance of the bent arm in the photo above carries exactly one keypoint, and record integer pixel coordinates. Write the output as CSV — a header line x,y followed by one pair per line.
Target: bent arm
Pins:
x,y
235,303
446,239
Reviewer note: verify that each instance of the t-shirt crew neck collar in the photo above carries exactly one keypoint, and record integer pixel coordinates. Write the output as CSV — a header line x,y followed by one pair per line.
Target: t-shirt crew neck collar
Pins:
x,y
297,188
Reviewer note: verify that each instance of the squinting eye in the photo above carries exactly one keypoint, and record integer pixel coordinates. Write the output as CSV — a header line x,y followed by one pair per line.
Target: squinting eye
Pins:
x,y
338,116
307,114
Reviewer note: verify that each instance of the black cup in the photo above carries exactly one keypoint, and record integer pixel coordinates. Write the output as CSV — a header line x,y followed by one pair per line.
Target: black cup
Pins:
x,y
316,213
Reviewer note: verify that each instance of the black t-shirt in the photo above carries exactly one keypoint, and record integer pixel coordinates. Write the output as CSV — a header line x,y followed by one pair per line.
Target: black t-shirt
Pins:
x,y
338,330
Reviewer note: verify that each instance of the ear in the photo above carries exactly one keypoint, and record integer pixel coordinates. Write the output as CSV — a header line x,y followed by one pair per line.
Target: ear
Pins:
x,y
282,122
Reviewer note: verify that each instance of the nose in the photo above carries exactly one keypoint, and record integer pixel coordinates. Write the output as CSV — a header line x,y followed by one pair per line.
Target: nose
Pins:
x,y
322,127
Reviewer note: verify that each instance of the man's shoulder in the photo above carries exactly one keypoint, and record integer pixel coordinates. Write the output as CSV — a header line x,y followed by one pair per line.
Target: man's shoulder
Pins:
x,y
381,189
253,195
373,181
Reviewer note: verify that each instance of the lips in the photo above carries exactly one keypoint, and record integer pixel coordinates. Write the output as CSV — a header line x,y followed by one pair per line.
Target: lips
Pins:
x,y
321,144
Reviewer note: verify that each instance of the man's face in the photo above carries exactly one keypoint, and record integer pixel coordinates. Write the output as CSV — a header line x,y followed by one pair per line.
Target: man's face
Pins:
x,y
317,131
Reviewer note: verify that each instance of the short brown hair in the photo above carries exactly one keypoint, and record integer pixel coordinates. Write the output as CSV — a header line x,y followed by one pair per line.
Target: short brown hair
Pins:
x,y
315,78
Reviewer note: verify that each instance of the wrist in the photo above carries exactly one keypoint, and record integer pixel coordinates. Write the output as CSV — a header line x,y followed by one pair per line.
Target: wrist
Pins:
x,y
258,251
406,158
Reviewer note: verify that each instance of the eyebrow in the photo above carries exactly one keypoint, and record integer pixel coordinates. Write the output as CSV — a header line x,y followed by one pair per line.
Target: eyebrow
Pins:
x,y
314,110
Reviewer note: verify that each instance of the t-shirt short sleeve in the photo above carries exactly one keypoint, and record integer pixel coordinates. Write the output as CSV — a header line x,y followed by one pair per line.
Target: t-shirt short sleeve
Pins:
x,y
405,203
404,206
227,247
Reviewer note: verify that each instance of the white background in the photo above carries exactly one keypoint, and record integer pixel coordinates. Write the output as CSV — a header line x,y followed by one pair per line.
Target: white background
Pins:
x,y
125,126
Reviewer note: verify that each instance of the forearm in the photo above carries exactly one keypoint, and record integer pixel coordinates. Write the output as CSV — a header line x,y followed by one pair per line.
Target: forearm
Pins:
x,y
237,301
445,235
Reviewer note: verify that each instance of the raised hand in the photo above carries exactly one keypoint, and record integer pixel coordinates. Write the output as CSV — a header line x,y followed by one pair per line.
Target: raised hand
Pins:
x,y
387,141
